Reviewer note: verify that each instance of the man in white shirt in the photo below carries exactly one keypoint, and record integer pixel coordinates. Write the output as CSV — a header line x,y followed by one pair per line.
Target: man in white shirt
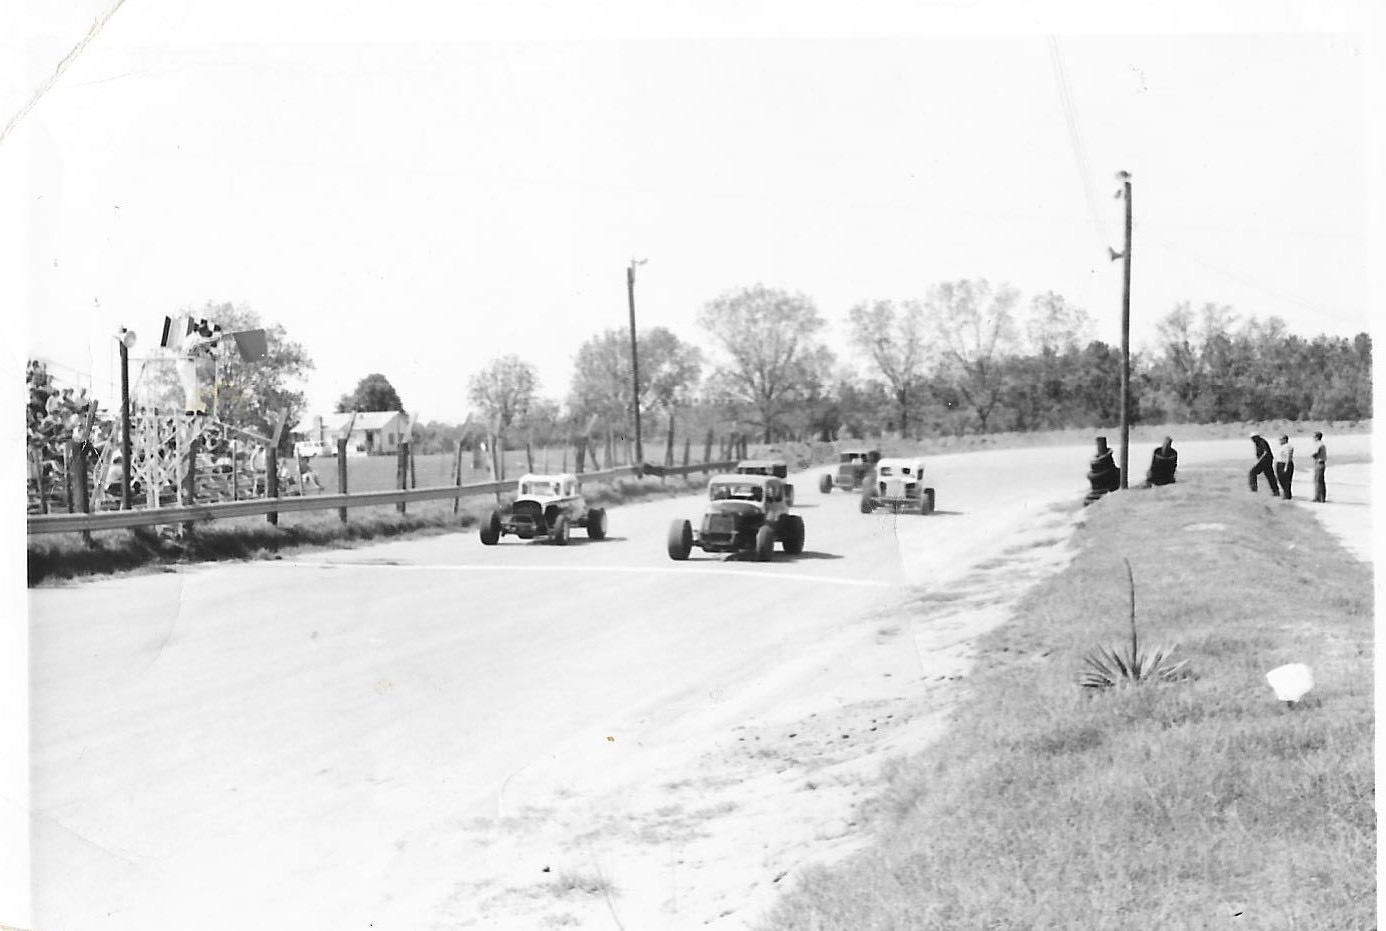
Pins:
x,y
1285,465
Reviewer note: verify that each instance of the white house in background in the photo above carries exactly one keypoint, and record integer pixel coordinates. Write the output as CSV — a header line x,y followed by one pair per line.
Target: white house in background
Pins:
x,y
372,432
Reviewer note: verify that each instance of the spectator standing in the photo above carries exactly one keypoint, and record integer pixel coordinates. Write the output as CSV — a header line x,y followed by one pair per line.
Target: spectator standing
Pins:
x,y
1285,465
1263,466
1320,466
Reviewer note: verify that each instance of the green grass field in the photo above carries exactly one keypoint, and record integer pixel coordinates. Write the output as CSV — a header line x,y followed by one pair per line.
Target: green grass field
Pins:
x,y
1203,803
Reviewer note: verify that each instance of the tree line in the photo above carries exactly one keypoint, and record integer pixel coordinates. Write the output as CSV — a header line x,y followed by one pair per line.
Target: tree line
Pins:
x,y
967,357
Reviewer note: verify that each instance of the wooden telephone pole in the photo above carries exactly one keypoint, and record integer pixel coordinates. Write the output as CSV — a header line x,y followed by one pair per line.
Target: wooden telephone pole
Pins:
x,y
1125,256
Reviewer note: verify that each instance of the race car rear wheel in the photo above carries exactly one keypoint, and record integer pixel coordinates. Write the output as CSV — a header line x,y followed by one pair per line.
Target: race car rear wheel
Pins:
x,y
680,539
928,505
491,530
867,505
825,484
596,524
560,531
765,542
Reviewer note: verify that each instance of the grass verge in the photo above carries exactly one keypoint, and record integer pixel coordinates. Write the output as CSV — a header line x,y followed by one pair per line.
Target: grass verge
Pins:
x,y
1194,804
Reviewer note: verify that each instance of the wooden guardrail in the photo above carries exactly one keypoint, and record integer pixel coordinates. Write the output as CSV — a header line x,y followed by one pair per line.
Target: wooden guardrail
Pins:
x,y
179,514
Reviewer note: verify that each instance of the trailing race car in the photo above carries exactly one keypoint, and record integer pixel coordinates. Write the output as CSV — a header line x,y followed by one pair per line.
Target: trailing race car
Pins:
x,y
854,467
548,507
899,486
776,467
745,513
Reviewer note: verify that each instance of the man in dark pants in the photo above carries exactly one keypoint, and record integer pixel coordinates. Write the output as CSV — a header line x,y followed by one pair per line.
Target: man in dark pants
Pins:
x,y
1285,466
1320,466
1264,458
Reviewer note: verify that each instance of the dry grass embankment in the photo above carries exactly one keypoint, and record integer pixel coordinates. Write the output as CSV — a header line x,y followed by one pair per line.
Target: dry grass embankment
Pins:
x,y
1197,804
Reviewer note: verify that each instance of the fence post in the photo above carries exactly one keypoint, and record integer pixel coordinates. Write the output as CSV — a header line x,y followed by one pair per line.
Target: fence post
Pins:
x,y
457,476
402,472
687,449
272,480
341,475
669,447
190,480
413,471
81,483
707,449
529,455
235,470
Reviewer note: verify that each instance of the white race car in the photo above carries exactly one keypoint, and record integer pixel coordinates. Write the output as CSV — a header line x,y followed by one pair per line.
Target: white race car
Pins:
x,y
547,507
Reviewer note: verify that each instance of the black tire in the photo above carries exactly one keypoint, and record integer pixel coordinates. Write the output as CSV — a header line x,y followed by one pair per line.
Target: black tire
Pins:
x,y
825,484
596,524
927,507
680,540
491,530
793,539
765,542
789,495
867,505
560,531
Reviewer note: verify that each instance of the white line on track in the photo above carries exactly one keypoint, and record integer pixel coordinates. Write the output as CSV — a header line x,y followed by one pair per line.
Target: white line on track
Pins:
x,y
714,570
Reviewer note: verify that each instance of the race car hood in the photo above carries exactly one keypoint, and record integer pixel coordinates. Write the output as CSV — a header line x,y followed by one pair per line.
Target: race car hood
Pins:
x,y
737,508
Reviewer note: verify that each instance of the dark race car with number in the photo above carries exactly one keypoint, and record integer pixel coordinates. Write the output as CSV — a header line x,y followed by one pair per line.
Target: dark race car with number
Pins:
x,y
546,507
855,464
745,514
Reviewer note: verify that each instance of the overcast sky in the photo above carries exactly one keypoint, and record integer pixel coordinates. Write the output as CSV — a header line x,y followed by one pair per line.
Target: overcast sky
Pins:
x,y
419,191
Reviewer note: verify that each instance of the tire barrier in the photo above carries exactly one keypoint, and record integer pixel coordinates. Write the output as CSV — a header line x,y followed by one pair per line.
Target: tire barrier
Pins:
x,y
1163,462
1103,474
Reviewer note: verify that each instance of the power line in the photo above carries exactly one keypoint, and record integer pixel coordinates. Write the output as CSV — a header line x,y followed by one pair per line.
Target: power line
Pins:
x,y
1075,134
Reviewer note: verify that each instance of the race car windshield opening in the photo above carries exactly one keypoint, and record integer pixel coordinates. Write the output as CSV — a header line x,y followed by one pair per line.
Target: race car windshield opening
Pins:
x,y
736,492
539,488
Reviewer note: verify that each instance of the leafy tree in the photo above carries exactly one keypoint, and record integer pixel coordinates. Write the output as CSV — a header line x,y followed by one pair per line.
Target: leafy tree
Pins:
x,y
669,374
250,393
894,340
1054,325
504,390
770,357
978,330
373,393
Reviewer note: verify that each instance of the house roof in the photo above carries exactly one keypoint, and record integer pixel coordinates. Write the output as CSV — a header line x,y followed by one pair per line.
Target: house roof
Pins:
x,y
365,420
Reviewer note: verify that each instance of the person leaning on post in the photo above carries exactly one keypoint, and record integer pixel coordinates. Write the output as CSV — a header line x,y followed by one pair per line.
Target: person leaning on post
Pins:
x,y
1285,465
1264,458
1320,458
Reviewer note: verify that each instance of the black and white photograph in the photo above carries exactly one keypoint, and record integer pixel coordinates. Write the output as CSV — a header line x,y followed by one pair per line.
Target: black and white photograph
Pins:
x,y
752,467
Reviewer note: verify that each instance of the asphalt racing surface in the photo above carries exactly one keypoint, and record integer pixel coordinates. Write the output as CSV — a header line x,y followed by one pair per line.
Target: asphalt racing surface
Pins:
x,y
306,743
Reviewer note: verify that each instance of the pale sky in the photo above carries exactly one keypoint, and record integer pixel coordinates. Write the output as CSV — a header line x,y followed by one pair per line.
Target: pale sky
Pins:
x,y
417,192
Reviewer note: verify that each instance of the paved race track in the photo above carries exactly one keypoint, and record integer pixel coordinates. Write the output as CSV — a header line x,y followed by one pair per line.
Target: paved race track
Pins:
x,y
283,744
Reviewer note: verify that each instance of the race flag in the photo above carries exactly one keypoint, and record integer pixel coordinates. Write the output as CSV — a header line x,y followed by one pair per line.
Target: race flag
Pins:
x,y
251,344
176,330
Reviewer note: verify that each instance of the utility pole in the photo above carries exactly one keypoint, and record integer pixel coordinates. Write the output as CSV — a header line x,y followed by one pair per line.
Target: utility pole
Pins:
x,y
1125,256
634,360
126,339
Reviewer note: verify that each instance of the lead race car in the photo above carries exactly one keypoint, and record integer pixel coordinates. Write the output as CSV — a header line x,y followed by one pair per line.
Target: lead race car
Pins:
x,y
776,467
745,513
546,507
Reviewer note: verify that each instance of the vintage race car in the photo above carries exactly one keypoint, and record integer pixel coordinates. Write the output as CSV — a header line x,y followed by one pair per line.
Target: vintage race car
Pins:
x,y
745,513
776,467
546,507
898,485
854,465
